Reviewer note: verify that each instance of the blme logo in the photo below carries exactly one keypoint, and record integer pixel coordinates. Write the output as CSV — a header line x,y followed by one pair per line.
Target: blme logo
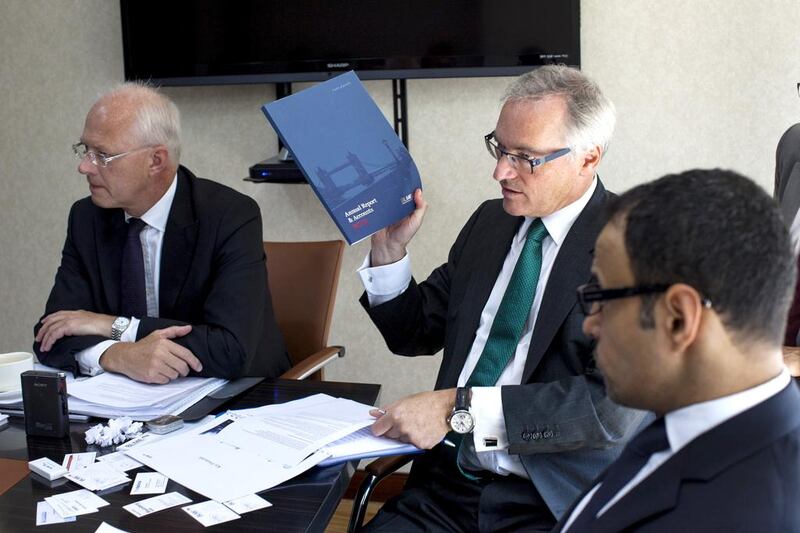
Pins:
x,y
405,199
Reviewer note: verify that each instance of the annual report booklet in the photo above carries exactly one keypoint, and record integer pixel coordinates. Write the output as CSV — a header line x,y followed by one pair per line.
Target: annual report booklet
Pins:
x,y
348,152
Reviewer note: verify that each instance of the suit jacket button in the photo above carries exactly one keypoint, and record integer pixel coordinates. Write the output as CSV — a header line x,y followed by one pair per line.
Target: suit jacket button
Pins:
x,y
526,435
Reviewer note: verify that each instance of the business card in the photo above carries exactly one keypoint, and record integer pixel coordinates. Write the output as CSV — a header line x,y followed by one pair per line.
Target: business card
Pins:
x,y
149,483
156,503
210,513
245,504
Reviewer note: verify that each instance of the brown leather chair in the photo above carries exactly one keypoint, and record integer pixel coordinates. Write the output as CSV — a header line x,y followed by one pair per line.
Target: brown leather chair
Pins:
x,y
303,277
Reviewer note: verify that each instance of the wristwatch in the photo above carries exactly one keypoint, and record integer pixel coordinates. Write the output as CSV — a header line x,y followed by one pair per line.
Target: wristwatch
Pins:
x,y
119,326
461,420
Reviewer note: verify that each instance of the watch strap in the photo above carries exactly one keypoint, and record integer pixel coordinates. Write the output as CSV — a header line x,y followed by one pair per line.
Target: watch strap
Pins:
x,y
462,399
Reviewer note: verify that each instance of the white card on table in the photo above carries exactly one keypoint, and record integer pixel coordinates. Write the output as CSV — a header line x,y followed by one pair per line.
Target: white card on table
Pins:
x,y
45,514
97,476
47,468
245,504
120,461
156,503
76,503
210,513
75,461
149,483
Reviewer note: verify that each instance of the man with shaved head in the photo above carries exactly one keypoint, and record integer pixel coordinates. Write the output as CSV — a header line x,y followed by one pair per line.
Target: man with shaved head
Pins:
x,y
162,273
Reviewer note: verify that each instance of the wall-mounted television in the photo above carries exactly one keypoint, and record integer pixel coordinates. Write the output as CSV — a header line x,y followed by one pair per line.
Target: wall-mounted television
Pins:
x,y
210,42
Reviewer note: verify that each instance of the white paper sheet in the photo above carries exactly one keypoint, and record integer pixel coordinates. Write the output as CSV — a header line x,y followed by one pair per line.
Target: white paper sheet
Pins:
x,y
200,461
290,435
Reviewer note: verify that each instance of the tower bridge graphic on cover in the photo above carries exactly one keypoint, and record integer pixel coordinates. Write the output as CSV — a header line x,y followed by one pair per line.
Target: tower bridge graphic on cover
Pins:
x,y
344,181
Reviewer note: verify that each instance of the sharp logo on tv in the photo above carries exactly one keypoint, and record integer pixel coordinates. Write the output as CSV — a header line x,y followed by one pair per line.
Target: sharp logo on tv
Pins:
x,y
338,65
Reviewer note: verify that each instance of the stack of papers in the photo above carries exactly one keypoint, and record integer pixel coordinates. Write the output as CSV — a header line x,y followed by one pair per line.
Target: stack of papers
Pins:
x,y
112,395
244,452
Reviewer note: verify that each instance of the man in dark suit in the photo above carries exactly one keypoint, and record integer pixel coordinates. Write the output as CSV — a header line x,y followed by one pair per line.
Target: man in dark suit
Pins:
x,y
695,337
162,273
517,384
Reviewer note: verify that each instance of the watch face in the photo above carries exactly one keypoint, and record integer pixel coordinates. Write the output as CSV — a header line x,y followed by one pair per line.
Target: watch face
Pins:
x,y
461,422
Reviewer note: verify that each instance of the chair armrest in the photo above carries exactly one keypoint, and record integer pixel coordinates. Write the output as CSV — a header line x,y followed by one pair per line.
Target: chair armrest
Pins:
x,y
376,471
314,362
383,466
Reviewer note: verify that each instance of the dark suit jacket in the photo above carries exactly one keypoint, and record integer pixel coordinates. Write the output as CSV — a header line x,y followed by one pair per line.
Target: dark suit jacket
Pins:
x,y
212,277
787,193
743,475
559,420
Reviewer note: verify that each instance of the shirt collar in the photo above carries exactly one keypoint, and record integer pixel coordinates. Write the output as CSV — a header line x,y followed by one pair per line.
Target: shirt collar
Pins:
x,y
686,424
559,223
156,217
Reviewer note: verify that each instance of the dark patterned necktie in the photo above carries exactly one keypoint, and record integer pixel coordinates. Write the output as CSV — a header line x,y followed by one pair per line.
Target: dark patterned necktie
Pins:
x,y
635,455
513,311
133,298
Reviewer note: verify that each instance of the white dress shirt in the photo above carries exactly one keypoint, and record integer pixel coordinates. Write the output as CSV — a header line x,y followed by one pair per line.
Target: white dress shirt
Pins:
x,y
152,237
794,233
386,282
686,424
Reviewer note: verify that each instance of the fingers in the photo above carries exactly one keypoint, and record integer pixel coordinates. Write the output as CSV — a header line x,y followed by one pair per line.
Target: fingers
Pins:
x,y
186,357
173,332
382,425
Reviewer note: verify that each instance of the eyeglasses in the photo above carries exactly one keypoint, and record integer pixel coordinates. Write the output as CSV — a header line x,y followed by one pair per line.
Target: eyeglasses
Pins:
x,y
100,159
591,296
516,160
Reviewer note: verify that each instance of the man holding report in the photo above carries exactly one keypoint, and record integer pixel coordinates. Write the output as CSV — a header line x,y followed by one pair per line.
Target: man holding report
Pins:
x,y
529,419
162,273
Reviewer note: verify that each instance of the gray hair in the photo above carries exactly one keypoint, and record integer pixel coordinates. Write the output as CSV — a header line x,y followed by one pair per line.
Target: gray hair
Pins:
x,y
590,115
158,120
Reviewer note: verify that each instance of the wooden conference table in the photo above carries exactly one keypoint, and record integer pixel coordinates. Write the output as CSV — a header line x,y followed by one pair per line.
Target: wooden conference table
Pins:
x,y
305,503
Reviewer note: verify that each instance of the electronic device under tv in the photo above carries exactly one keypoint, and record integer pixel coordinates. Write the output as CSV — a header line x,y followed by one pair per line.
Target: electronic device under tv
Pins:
x,y
212,42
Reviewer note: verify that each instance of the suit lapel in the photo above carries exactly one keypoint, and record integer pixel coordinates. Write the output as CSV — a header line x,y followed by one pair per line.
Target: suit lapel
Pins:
x,y
495,241
705,457
180,240
790,199
109,233
570,269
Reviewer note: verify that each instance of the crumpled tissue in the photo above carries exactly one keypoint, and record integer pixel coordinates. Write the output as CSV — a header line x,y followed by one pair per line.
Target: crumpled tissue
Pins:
x,y
117,431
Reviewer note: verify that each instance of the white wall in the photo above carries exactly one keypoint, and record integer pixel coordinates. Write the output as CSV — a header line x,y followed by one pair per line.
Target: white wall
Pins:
x,y
696,83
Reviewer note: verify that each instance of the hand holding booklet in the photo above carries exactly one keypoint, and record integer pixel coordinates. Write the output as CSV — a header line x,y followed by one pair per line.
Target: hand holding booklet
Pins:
x,y
348,152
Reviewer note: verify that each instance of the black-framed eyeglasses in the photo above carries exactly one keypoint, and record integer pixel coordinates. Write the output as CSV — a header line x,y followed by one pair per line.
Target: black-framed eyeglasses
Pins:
x,y
591,296
516,160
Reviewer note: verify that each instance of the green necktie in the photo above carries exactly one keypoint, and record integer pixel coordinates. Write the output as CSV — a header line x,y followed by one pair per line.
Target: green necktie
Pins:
x,y
513,311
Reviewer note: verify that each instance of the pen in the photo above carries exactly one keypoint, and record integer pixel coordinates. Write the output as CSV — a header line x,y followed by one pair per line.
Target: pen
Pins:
x,y
450,443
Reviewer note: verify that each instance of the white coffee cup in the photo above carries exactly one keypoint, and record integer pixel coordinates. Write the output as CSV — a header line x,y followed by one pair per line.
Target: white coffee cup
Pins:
x,y
11,366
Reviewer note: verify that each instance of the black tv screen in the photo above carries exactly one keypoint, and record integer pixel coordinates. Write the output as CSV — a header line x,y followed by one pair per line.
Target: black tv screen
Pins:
x,y
249,41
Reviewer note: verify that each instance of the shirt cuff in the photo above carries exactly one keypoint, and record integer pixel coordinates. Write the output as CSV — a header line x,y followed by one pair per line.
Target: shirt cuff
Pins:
x,y
129,335
486,407
386,282
89,358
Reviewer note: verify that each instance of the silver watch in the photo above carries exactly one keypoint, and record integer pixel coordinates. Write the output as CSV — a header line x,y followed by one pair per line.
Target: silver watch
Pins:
x,y
461,420
119,326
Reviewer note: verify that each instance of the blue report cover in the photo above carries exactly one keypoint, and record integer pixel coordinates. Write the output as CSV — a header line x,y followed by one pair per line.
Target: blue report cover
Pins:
x,y
348,152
